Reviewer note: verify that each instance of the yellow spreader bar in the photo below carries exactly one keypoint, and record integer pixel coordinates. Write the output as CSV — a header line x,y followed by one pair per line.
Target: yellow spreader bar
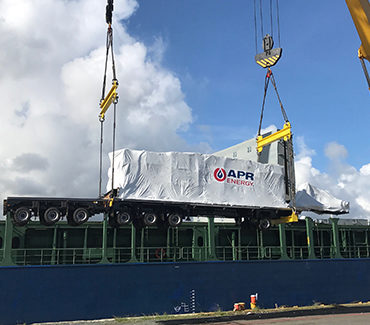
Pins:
x,y
108,100
292,218
285,133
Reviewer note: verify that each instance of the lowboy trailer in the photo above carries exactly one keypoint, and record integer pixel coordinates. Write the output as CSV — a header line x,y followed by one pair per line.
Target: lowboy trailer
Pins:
x,y
141,212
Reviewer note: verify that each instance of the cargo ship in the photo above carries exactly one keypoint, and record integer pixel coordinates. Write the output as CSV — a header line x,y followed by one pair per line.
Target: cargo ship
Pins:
x,y
51,270
95,271
138,259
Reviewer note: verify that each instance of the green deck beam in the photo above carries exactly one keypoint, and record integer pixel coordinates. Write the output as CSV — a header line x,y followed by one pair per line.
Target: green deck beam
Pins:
x,y
211,239
142,234
104,258
114,258
233,245
261,251
282,237
336,243
310,241
8,241
133,258
54,248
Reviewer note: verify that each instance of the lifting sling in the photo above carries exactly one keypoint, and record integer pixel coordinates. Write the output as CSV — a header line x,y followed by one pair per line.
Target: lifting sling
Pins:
x,y
285,132
111,97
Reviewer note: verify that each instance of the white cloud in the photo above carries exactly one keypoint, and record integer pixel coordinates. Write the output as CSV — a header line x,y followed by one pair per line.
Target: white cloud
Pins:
x,y
52,58
343,181
365,169
335,151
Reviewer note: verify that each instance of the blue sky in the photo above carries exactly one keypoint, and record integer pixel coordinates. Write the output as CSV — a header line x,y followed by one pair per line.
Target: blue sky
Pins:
x,y
210,46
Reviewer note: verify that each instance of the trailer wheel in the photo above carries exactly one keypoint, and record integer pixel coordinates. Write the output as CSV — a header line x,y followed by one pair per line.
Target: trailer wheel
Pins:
x,y
238,221
149,219
21,216
123,218
174,220
264,224
80,216
51,216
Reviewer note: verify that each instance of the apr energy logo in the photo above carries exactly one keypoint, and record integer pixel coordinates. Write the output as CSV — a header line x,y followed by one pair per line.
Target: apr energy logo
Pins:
x,y
220,174
238,177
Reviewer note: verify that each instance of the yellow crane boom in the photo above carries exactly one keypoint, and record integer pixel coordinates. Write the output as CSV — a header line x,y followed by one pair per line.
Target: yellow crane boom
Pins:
x,y
360,12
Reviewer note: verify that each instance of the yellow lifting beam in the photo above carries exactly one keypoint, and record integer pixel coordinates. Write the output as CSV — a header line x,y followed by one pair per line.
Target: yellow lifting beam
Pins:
x,y
285,133
108,100
292,218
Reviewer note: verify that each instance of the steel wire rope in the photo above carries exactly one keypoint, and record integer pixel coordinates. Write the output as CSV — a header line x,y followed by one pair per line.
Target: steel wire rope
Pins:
x,y
101,154
267,80
109,46
285,116
114,108
114,138
255,25
278,20
271,24
102,119
261,18
269,76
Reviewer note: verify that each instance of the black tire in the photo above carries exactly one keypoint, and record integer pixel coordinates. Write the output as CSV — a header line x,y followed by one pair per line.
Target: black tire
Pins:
x,y
264,224
174,220
138,223
149,219
247,223
51,216
21,216
238,221
80,216
123,218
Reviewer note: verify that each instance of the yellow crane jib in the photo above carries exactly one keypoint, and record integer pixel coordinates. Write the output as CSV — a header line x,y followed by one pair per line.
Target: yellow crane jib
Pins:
x,y
285,133
108,100
360,12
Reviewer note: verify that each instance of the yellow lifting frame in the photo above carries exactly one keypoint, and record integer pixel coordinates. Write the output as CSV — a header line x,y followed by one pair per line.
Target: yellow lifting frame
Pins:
x,y
285,133
108,100
292,218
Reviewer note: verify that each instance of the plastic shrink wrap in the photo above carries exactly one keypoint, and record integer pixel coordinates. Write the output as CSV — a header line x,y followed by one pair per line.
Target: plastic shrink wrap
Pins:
x,y
311,198
197,178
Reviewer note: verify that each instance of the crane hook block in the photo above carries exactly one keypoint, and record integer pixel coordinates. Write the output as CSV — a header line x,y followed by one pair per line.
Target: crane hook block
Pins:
x,y
269,56
108,100
285,133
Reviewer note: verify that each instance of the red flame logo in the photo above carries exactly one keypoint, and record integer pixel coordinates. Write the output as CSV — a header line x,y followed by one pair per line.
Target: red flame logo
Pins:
x,y
220,174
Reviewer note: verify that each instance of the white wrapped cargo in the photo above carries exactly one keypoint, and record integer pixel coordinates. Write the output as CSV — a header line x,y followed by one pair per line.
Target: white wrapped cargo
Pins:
x,y
311,198
197,178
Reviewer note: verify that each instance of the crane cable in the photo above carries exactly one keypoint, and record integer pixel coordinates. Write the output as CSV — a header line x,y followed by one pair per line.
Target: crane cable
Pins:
x,y
109,47
270,75
277,24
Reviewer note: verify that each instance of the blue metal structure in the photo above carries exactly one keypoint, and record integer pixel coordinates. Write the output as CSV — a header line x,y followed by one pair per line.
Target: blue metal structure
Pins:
x,y
71,292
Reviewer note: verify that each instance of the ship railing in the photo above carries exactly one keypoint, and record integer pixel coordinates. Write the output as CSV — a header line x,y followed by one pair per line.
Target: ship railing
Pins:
x,y
170,254
50,256
42,256
358,251
227,253
297,252
323,252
